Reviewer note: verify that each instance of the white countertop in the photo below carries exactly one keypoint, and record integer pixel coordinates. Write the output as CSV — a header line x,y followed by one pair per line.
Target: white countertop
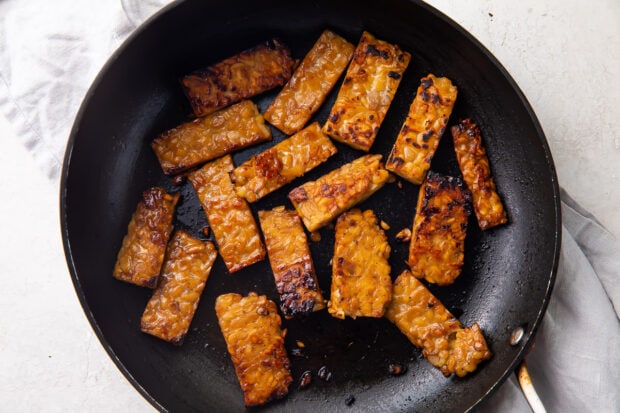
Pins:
x,y
564,54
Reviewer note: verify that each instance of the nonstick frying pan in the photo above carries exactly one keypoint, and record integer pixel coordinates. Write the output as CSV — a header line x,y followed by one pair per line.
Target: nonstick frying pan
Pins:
x,y
508,272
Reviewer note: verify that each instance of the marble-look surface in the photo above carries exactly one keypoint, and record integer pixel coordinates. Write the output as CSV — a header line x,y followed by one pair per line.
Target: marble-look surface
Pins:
x,y
564,54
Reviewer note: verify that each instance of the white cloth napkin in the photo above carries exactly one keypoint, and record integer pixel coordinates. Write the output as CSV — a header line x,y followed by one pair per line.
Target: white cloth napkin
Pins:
x,y
50,52
47,62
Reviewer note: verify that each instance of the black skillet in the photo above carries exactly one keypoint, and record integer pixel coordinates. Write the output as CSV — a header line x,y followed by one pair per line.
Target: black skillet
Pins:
x,y
508,272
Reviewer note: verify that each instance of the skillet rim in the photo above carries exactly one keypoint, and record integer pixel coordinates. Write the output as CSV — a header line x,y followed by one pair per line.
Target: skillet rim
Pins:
x,y
530,333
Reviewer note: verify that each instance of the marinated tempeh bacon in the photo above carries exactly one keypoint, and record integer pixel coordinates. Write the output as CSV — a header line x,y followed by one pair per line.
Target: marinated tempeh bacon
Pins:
x,y
437,244
239,77
218,134
425,124
255,341
187,266
282,163
474,165
366,93
318,202
291,262
430,326
361,283
142,252
229,215
310,84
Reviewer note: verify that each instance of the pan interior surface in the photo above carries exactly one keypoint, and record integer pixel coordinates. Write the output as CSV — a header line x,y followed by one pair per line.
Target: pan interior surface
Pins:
x,y
508,271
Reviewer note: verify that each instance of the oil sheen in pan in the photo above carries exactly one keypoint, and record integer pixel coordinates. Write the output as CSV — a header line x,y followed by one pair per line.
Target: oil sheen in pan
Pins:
x,y
508,271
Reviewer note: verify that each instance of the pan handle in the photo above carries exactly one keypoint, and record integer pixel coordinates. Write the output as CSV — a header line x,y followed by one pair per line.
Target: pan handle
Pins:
x,y
528,389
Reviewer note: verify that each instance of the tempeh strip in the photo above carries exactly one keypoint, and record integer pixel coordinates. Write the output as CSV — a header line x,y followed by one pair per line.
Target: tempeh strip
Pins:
x,y
229,215
361,283
437,244
425,124
474,164
366,93
255,341
318,202
142,252
430,326
291,262
239,77
218,134
282,163
170,310
310,84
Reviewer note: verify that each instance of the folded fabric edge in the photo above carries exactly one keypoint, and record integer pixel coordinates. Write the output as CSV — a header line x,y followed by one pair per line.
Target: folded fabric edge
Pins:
x,y
601,248
42,153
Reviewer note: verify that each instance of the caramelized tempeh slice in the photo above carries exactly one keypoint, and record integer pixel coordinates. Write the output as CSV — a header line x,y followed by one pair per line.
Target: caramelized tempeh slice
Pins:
x,y
251,328
477,174
230,216
361,283
170,310
291,262
142,252
366,92
310,84
202,140
439,229
318,202
429,325
280,164
244,75
420,134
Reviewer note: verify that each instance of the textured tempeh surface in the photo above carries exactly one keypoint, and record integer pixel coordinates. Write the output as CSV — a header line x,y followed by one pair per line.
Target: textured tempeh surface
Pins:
x,y
361,283
230,217
437,246
142,252
218,134
474,165
367,91
238,77
426,122
255,341
310,84
430,326
282,163
291,262
187,266
318,202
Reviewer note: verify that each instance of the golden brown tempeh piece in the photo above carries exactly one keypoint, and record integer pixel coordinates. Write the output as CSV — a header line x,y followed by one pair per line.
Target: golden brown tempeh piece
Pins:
x,y
202,140
361,283
141,255
310,84
291,262
438,236
170,310
318,202
229,215
251,328
476,171
282,163
429,325
420,134
244,75
366,92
